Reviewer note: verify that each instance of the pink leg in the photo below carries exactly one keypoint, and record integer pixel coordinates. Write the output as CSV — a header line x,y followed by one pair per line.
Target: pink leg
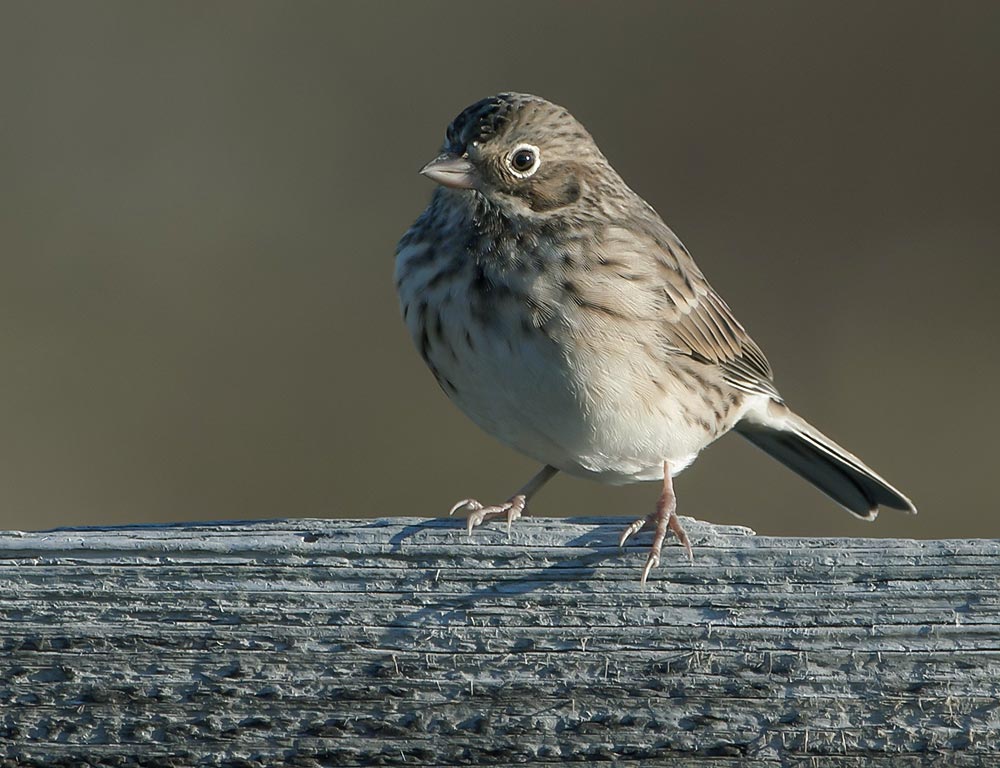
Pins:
x,y
510,509
663,519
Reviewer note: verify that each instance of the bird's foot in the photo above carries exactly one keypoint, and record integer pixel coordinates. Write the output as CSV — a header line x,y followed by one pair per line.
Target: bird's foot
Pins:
x,y
478,514
673,523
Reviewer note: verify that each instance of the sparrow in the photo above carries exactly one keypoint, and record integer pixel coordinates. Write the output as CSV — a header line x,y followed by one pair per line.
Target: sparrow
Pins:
x,y
559,312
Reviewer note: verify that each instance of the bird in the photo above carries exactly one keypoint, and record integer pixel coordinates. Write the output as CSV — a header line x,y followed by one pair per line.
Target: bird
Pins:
x,y
560,313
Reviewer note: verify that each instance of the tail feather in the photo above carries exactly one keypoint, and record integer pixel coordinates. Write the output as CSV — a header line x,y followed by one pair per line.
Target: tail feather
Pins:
x,y
808,452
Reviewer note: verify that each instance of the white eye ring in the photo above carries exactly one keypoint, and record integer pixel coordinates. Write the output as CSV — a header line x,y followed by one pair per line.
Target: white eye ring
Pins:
x,y
520,152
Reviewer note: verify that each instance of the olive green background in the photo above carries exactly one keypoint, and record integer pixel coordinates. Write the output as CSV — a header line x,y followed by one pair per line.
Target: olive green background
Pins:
x,y
199,204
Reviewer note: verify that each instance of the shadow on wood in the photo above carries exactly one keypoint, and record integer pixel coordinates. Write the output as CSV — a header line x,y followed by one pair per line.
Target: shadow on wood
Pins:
x,y
405,641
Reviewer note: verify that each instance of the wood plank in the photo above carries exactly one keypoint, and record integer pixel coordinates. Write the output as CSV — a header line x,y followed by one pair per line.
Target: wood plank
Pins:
x,y
404,641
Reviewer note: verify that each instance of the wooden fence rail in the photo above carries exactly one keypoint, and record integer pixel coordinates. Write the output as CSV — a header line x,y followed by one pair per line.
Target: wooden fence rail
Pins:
x,y
406,642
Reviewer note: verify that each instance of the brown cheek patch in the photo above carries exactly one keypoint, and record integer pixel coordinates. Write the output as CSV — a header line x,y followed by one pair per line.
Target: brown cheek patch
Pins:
x,y
550,194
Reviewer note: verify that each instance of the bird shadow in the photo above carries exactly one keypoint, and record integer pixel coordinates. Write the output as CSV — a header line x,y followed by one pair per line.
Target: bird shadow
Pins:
x,y
601,536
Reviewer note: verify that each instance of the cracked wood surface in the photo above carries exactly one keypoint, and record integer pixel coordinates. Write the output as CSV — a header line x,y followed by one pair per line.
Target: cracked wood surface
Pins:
x,y
404,641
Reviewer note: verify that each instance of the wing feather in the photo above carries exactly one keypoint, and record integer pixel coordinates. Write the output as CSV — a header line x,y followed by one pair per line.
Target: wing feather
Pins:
x,y
697,322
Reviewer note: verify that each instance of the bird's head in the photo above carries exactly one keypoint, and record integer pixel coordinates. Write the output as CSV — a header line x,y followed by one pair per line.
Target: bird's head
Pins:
x,y
521,152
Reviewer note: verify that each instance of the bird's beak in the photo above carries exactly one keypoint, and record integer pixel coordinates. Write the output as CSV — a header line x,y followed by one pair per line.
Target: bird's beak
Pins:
x,y
451,171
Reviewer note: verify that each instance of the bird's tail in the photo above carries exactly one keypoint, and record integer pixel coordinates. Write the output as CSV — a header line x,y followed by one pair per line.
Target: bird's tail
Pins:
x,y
805,450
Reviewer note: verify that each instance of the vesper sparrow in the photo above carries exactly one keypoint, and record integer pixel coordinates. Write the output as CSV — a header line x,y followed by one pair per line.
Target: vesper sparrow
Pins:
x,y
559,312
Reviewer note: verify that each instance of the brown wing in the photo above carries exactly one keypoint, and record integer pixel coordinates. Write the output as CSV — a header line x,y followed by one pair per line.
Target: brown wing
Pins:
x,y
697,322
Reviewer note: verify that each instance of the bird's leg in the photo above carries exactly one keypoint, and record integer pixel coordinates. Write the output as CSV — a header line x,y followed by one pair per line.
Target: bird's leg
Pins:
x,y
510,509
663,519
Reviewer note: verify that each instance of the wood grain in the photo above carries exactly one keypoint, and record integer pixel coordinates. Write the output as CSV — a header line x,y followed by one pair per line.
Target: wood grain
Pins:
x,y
406,642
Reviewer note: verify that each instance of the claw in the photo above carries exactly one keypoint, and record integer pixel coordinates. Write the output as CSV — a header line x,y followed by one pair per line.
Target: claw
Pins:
x,y
678,531
511,510
651,562
479,515
471,504
673,525
514,509
662,520
635,527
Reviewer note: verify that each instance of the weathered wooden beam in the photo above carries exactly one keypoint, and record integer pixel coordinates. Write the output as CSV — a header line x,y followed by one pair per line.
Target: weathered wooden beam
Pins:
x,y
405,641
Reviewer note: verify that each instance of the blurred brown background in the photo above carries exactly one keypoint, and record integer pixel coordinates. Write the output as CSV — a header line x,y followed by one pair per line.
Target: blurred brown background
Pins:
x,y
199,204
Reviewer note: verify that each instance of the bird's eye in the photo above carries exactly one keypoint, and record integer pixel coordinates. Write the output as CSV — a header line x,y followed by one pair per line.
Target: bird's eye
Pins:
x,y
524,160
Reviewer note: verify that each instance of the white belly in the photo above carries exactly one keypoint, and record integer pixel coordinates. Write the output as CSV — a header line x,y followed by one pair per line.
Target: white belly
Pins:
x,y
599,408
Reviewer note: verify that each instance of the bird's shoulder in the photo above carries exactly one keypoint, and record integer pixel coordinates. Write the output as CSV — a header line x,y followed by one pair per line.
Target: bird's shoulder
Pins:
x,y
639,265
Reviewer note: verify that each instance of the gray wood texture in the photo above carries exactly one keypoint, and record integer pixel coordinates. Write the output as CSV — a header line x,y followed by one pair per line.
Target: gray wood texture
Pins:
x,y
406,642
